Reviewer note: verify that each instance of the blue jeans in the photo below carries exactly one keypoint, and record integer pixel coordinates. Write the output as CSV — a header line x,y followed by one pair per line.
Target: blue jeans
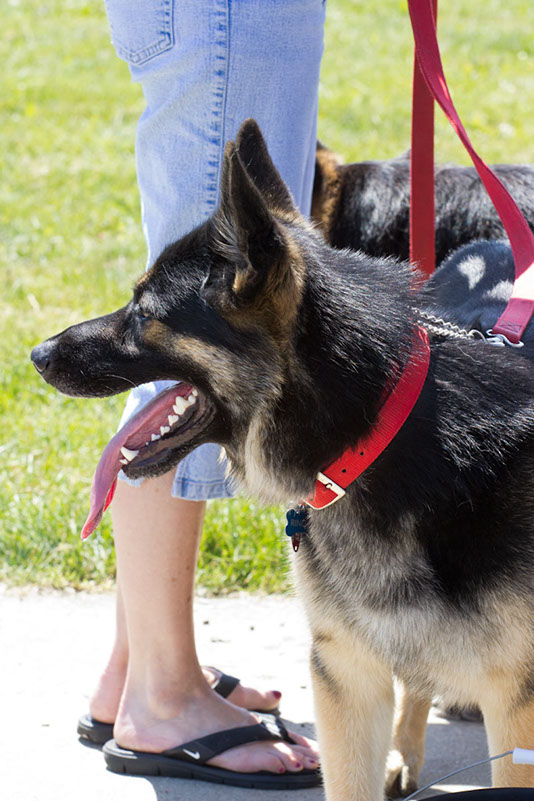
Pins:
x,y
205,66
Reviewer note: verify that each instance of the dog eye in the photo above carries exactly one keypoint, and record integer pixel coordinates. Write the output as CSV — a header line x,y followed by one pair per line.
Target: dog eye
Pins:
x,y
141,314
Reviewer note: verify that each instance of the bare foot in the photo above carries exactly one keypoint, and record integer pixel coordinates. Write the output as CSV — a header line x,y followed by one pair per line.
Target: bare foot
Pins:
x,y
105,700
179,720
246,697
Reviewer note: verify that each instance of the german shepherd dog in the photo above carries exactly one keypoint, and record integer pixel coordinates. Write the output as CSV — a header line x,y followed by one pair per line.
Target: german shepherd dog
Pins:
x,y
425,569
366,205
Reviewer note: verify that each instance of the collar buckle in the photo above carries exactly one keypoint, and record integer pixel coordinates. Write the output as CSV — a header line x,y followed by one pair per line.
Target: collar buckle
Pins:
x,y
338,491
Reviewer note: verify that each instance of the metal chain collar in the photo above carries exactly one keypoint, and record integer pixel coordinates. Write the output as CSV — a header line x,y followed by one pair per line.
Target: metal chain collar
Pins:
x,y
440,327
444,328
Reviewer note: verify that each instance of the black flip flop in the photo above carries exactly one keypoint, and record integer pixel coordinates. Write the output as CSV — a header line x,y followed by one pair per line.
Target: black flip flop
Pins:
x,y
187,761
98,733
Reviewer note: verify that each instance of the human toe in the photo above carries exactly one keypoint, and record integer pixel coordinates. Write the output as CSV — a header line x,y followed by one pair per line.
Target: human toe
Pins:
x,y
310,746
252,758
251,698
241,695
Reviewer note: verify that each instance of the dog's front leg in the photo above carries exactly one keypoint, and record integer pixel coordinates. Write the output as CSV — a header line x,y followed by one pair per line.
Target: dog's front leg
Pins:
x,y
353,693
509,725
408,745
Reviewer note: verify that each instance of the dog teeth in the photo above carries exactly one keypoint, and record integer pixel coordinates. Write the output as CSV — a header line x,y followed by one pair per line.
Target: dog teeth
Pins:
x,y
164,430
154,437
180,405
183,403
128,454
172,419
124,461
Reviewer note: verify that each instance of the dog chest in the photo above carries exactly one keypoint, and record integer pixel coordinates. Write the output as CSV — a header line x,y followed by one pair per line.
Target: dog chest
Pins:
x,y
390,600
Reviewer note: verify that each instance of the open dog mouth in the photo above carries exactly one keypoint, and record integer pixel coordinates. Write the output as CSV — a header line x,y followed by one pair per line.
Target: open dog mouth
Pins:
x,y
172,421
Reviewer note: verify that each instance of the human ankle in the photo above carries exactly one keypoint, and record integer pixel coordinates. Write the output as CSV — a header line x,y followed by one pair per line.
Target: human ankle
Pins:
x,y
105,698
117,664
157,722
163,694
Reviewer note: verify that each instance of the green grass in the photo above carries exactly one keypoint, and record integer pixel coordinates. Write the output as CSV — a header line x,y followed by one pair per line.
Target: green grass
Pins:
x,y
71,242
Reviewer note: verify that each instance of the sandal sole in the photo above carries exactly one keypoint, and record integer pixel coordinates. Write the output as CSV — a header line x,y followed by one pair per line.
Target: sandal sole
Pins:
x,y
140,763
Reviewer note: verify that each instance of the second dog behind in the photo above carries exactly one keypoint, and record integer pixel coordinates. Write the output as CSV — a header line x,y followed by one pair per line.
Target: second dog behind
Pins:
x,y
366,205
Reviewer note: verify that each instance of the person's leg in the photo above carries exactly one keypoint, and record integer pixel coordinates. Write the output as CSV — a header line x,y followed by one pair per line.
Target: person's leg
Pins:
x,y
174,517
166,700
104,702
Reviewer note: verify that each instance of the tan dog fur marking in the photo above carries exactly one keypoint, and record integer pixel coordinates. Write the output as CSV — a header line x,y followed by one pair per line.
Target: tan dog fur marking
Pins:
x,y
407,753
210,358
353,694
276,306
327,193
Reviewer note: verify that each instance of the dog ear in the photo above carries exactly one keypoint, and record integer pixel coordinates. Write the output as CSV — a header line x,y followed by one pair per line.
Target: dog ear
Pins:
x,y
253,152
247,243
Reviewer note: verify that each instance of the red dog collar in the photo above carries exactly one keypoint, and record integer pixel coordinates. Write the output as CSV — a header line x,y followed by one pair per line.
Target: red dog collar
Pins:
x,y
333,480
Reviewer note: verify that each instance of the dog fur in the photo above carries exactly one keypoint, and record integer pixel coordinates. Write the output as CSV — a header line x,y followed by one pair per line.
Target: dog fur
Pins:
x,y
425,569
366,205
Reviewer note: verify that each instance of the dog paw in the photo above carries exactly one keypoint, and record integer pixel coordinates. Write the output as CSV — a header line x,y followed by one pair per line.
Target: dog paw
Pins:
x,y
401,778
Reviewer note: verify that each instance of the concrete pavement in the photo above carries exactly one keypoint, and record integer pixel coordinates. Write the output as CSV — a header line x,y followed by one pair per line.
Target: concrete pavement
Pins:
x,y
52,646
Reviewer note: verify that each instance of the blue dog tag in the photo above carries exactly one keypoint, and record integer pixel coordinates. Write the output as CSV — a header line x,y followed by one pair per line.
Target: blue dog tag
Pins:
x,y
297,524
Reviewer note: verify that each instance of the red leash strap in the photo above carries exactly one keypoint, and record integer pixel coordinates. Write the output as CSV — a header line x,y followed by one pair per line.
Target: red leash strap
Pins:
x,y
422,213
517,314
332,482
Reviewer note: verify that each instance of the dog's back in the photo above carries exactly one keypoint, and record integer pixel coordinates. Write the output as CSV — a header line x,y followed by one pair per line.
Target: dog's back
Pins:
x,y
365,205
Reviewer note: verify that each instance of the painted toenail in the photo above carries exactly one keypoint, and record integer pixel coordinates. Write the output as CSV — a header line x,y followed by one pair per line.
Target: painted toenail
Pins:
x,y
281,770
277,694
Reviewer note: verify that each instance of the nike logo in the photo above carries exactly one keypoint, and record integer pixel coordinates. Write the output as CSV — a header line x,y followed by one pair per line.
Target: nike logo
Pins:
x,y
192,754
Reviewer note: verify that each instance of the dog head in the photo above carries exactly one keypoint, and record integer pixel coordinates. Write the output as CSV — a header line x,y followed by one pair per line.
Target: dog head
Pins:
x,y
215,312
249,312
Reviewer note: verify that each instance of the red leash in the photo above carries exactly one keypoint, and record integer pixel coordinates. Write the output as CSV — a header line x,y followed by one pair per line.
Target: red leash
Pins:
x,y
422,212
429,84
517,314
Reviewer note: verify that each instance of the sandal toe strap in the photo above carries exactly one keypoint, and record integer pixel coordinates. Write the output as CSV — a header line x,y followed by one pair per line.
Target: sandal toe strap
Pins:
x,y
224,684
205,748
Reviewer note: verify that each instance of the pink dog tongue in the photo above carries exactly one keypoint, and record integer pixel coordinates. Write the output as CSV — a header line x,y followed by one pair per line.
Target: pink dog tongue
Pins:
x,y
133,435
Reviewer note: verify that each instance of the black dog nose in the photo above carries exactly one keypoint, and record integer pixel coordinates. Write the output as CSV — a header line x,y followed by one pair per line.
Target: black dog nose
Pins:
x,y
40,356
